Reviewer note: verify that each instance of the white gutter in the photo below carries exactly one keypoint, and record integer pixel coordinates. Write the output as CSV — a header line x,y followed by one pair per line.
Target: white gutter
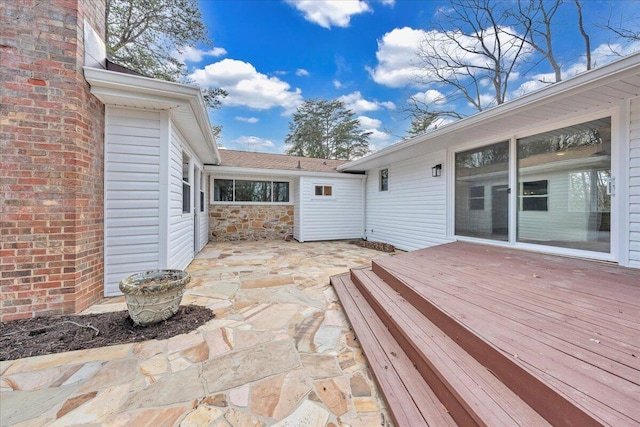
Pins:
x,y
232,170
616,70
129,86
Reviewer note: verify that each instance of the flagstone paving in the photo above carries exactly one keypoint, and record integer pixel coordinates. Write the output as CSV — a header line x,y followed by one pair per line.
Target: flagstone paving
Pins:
x,y
279,352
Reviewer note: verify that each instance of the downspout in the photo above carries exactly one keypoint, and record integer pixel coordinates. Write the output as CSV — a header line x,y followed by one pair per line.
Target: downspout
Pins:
x,y
364,207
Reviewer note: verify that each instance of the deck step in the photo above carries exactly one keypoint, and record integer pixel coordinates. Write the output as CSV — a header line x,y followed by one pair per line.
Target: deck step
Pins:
x,y
409,399
565,391
469,391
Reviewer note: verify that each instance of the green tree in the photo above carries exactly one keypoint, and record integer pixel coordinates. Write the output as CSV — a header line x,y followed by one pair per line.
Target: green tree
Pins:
x,y
147,36
326,129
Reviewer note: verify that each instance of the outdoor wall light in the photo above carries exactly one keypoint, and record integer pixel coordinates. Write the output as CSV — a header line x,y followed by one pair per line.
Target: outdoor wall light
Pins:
x,y
436,170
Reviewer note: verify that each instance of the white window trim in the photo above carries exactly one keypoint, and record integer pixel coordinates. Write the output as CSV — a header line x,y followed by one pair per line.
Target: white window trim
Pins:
x,y
213,201
323,197
618,128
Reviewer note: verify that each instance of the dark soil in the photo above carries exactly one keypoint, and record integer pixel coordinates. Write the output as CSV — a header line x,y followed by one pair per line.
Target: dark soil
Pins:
x,y
47,335
378,246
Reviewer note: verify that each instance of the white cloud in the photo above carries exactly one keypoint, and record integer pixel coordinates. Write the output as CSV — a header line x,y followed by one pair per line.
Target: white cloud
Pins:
x,y
337,84
247,87
396,56
254,142
190,54
327,13
430,97
301,72
388,105
356,103
377,136
601,55
398,63
388,2
247,119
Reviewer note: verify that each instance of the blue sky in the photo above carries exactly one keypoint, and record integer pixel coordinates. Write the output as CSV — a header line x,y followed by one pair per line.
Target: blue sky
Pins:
x,y
272,55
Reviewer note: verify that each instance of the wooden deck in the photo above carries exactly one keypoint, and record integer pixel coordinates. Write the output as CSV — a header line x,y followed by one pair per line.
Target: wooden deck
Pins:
x,y
499,336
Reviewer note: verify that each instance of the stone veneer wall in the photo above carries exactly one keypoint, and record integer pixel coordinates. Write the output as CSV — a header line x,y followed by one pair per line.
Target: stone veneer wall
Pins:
x,y
51,168
229,223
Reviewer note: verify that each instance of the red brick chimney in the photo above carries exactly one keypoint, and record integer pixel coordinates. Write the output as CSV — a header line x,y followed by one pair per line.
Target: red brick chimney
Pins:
x,y
51,160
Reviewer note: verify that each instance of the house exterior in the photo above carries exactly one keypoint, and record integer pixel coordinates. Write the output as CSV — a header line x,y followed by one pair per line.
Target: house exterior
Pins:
x,y
157,139
51,165
106,173
102,171
258,196
557,171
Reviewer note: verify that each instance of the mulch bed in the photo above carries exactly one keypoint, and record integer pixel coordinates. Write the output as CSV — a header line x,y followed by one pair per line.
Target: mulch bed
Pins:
x,y
378,246
47,335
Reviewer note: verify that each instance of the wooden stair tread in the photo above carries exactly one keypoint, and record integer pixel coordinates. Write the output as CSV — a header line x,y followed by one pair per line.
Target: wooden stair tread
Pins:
x,y
452,372
569,377
409,398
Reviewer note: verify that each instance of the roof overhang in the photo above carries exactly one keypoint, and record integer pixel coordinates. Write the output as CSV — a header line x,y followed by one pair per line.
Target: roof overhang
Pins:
x,y
185,103
596,90
240,171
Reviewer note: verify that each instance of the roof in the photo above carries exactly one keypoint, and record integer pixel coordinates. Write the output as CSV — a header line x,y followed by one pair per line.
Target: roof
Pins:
x,y
184,103
246,159
591,92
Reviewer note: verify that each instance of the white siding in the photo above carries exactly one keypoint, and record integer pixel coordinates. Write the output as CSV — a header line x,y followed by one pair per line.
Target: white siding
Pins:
x,y
297,224
412,213
181,230
203,216
634,184
559,222
132,172
330,218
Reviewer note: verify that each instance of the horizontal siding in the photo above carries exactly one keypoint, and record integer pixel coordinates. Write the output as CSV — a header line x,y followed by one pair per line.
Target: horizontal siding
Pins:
x,y
558,222
181,231
132,171
412,213
203,217
331,218
634,184
294,193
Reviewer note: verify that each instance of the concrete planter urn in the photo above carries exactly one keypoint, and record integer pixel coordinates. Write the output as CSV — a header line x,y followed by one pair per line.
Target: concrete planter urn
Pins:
x,y
155,295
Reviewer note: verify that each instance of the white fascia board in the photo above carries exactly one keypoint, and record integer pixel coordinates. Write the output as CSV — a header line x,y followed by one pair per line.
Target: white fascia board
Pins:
x,y
614,71
231,170
107,84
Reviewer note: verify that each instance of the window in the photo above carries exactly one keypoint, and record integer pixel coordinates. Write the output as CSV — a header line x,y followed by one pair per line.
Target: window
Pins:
x,y
384,180
202,187
534,195
186,186
324,190
476,198
481,192
240,190
566,172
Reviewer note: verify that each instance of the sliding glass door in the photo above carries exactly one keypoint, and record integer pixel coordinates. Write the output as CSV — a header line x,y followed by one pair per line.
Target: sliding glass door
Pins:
x,y
482,192
564,194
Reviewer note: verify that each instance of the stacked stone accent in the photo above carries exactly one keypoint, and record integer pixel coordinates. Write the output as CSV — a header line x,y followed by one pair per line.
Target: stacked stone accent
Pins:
x,y
230,223
51,167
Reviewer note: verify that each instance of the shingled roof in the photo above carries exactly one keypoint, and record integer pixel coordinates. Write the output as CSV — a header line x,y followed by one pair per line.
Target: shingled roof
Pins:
x,y
245,159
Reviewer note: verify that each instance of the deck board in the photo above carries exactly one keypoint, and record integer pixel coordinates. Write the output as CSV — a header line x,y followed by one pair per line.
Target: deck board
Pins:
x,y
411,402
488,400
574,324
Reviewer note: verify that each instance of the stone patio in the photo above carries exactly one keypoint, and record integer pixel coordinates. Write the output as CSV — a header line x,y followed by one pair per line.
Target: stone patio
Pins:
x,y
280,352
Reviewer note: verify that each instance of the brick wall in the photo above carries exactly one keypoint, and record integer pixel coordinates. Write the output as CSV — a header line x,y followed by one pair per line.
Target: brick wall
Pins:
x,y
51,169
250,222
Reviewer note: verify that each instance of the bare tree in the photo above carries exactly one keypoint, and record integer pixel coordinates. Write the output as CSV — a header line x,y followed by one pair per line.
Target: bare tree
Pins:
x,y
626,28
535,19
479,53
585,36
425,114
